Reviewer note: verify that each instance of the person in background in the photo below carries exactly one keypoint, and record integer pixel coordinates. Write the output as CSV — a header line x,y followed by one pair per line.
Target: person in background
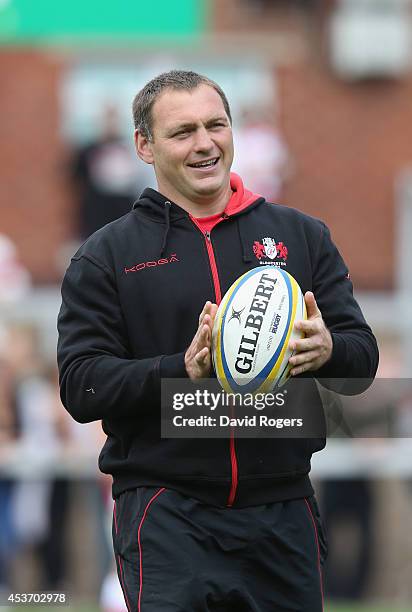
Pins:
x,y
261,155
8,428
105,176
38,505
15,280
15,285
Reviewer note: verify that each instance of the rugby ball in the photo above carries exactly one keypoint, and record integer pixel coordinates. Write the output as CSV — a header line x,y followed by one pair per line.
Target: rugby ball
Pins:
x,y
253,328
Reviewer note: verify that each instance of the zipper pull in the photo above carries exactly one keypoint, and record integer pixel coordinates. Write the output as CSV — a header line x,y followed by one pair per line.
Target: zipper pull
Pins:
x,y
207,236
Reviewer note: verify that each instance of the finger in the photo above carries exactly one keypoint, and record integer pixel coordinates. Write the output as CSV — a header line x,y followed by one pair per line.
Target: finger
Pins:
x,y
200,330
304,367
306,344
308,327
204,310
298,370
312,309
202,356
207,323
295,344
198,335
207,334
204,337
213,311
307,357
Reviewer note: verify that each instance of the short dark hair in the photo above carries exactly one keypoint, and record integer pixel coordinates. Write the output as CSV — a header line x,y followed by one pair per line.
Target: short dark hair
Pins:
x,y
175,79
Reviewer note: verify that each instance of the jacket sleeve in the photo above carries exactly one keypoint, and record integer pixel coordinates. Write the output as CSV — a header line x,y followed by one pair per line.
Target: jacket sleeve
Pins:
x,y
355,356
99,378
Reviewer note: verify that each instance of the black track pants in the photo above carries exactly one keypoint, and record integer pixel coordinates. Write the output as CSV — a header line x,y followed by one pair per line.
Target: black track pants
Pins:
x,y
176,554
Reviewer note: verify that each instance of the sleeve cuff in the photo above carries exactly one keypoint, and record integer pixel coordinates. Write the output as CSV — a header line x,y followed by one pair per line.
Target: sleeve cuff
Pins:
x,y
332,374
173,366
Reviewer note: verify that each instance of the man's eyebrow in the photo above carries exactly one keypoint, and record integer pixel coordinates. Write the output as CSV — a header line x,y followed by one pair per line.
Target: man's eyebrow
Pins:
x,y
217,118
181,126
192,126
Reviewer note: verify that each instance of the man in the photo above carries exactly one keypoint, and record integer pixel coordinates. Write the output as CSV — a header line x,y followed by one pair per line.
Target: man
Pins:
x,y
104,176
200,524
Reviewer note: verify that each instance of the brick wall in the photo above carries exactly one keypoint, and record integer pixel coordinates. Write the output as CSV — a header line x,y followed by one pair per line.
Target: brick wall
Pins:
x,y
33,194
348,142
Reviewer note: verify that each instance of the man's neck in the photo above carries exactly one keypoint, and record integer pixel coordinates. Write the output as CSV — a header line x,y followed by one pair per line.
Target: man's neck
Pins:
x,y
203,207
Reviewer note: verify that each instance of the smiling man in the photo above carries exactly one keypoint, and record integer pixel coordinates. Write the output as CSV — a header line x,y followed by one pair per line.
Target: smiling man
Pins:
x,y
190,145
203,524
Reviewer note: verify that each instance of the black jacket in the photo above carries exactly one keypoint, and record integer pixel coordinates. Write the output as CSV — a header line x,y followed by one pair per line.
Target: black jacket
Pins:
x,y
131,300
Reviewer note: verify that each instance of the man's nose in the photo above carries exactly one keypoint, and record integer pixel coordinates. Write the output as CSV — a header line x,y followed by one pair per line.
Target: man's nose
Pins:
x,y
203,141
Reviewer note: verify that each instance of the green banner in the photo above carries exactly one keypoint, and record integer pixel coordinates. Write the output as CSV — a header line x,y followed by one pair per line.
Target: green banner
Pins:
x,y
25,21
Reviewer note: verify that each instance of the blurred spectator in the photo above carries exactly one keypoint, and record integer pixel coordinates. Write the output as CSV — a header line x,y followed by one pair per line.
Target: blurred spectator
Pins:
x,y
261,156
7,436
106,178
111,597
38,506
348,507
14,286
14,278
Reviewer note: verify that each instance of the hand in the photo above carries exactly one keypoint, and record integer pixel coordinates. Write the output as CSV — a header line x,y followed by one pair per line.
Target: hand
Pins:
x,y
315,349
198,358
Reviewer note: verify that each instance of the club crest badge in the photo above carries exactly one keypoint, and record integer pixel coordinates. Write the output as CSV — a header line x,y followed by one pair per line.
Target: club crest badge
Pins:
x,y
269,245
269,249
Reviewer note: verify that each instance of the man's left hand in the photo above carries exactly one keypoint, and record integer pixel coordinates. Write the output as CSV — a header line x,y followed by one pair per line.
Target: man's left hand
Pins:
x,y
315,349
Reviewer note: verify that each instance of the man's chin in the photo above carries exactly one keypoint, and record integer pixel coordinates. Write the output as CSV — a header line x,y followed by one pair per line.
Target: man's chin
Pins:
x,y
209,186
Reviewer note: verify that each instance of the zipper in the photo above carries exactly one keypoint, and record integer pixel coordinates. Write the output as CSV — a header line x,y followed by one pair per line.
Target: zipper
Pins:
x,y
213,266
233,463
218,294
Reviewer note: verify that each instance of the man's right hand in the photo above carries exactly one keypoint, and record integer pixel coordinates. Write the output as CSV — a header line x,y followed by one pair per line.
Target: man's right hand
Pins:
x,y
198,357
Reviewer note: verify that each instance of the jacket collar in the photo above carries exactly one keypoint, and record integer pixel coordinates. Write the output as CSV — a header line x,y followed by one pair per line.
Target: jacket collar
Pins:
x,y
154,203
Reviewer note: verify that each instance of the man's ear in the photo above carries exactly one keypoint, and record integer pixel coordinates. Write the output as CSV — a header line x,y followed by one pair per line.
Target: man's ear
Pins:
x,y
143,147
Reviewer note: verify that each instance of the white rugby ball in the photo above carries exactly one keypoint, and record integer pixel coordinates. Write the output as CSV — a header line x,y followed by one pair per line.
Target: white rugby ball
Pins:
x,y
253,328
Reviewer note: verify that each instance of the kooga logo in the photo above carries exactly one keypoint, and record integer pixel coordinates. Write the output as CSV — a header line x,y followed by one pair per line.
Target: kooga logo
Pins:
x,y
152,264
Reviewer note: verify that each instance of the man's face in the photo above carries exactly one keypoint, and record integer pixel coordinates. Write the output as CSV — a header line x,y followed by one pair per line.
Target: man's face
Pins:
x,y
192,145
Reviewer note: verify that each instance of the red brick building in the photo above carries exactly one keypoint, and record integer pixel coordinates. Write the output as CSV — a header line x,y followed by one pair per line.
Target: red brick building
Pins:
x,y
349,141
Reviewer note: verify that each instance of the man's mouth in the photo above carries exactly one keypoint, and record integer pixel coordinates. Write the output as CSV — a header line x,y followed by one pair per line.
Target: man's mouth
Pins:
x,y
209,163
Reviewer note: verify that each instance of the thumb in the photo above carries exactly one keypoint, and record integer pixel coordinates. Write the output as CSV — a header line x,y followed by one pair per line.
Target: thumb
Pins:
x,y
312,309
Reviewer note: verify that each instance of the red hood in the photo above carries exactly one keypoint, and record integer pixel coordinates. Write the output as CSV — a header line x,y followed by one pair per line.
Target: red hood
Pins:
x,y
241,197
